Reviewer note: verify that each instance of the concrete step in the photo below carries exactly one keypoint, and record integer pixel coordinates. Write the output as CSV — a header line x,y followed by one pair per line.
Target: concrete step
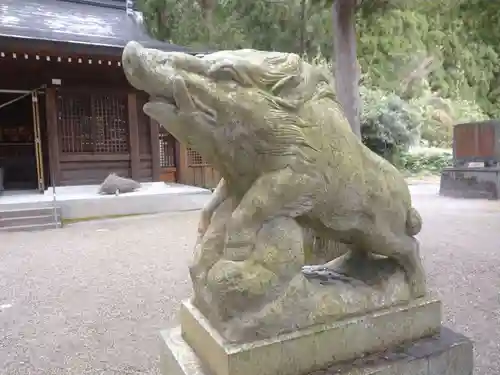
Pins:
x,y
28,212
28,228
29,218
26,220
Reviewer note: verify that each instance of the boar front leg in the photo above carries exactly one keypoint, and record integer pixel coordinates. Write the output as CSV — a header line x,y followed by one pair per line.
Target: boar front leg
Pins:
x,y
218,196
279,193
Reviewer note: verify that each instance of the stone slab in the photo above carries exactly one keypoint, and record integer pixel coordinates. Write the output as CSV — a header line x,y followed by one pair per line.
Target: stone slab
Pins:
x,y
464,182
313,348
445,353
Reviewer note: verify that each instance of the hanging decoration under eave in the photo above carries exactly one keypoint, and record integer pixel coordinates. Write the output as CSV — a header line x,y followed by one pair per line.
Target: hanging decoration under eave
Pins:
x,y
76,60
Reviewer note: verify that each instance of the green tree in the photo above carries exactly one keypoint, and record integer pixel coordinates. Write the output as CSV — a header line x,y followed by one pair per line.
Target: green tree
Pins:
x,y
444,49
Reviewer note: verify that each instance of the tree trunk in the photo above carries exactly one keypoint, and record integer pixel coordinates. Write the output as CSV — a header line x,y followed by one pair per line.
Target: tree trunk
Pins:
x,y
208,7
346,65
302,46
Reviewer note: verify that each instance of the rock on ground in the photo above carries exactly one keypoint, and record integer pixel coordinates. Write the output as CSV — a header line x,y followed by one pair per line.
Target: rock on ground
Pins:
x,y
90,299
114,184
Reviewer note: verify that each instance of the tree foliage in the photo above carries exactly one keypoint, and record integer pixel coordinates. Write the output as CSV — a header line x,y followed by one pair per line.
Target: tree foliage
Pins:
x,y
437,62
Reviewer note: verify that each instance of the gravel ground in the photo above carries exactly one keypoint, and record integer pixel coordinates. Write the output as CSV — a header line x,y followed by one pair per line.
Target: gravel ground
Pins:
x,y
91,298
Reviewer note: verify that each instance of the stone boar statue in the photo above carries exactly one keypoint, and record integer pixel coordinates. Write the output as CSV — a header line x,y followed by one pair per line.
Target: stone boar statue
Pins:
x,y
270,123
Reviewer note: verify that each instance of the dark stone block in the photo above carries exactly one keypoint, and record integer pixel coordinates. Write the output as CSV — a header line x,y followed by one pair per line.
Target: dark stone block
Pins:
x,y
463,182
447,353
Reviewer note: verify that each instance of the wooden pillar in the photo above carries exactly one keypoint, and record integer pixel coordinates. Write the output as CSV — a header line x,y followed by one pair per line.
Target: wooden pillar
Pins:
x,y
135,157
53,135
182,163
155,148
346,65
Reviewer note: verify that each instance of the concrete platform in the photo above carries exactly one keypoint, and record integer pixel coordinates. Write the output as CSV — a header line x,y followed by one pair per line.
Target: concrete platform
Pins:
x,y
78,202
470,182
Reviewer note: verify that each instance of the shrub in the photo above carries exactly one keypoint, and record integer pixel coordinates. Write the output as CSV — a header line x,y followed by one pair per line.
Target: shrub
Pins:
x,y
389,125
425,159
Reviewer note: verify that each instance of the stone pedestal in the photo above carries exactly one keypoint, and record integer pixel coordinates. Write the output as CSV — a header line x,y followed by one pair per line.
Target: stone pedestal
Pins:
x,y
407,340
465,182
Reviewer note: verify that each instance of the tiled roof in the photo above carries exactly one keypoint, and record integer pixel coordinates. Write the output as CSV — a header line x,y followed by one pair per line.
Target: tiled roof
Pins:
x,y
116,4
105,23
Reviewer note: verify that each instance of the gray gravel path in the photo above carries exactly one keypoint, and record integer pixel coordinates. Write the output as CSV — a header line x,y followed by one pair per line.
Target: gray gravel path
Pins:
x,y
461,249
91,298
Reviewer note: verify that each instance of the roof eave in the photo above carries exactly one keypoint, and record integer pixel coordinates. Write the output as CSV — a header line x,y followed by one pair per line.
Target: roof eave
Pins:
x,y
29,44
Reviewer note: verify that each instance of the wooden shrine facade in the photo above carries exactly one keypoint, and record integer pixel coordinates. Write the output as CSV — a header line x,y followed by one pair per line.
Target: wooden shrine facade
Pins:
x,y
183,164
85,120
90,121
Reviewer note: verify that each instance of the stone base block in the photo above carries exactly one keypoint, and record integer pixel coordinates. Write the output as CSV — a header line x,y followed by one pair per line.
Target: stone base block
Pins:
x,y
445,353
306,350
464,182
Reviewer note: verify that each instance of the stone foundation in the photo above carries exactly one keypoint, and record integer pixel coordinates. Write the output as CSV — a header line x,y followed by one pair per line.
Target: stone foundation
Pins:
x,y
405,340
463,182
445,353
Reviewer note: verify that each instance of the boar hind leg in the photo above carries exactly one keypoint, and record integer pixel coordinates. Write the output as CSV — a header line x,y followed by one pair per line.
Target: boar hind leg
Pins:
x,y
404,250
278,193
